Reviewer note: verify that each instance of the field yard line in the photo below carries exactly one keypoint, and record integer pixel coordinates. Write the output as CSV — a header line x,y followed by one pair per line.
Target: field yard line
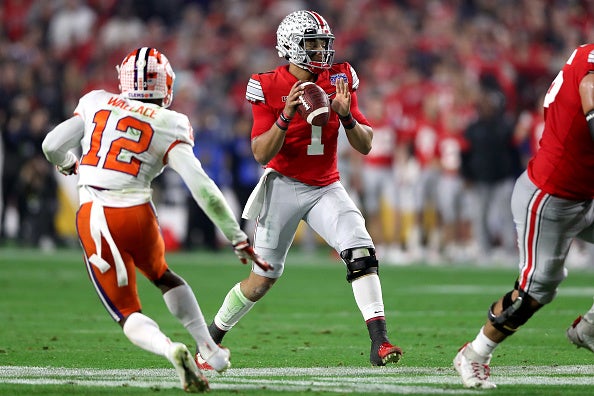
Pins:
x,y
32,371
395,380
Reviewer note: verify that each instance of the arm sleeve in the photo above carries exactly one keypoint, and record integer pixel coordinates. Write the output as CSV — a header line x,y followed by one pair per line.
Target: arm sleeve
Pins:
x,y
356,112
59,141
205,192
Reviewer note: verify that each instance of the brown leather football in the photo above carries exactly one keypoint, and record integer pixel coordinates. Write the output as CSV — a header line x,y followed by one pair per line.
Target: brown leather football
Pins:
x,y
315,105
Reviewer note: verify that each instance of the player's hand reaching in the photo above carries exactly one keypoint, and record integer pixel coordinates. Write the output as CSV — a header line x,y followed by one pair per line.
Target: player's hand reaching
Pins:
x,y
246,253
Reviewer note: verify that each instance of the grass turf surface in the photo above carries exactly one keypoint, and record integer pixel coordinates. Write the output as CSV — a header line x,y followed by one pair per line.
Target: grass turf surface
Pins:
x,y
305,337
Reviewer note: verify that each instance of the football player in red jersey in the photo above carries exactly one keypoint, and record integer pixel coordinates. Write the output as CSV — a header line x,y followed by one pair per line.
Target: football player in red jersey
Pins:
x,y
301,181
127,139
552,203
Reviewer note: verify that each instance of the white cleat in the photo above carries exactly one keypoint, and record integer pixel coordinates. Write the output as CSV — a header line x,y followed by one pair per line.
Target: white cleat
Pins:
x,y
192,380
217,360
581,333
473,368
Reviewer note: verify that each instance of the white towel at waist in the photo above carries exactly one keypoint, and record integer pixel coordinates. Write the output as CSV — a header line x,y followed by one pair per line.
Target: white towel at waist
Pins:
x,y
99,228
256,199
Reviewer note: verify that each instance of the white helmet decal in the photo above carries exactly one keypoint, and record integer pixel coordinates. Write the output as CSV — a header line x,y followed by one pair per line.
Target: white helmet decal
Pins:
x,y
145,73
291,34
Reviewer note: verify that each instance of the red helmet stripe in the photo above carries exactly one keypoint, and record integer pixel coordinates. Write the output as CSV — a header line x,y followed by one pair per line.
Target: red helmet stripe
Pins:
x,y
320,20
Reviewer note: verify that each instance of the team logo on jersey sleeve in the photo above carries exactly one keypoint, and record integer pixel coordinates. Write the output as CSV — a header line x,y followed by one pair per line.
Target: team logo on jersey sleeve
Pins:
x,y
335,77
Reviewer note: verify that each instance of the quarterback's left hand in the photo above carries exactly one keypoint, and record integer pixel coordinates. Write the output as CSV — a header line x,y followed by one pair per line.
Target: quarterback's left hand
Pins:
x,y
245,252
341,103
68,170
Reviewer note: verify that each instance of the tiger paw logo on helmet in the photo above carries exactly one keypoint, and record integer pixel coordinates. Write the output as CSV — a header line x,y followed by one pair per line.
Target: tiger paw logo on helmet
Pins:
x,y
146,73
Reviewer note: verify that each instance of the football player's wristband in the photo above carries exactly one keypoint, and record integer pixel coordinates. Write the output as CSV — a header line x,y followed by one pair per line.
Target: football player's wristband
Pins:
x,y
283,121
590,121
348,122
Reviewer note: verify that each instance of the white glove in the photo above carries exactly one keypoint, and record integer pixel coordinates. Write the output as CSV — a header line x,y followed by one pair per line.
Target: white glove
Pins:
x,y
69,166
245,252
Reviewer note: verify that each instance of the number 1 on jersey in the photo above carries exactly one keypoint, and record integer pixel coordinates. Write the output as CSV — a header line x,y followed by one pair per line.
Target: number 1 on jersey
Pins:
x,y
315,147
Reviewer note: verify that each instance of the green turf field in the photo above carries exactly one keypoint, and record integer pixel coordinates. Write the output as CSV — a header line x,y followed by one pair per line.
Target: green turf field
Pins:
x,y
305,337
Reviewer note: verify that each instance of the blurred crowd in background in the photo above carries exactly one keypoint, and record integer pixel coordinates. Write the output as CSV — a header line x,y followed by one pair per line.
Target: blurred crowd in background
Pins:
x,y
453,89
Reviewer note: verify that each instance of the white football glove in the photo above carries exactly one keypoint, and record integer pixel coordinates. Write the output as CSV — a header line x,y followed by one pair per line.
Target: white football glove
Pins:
x,y
245,252
69,166
67,171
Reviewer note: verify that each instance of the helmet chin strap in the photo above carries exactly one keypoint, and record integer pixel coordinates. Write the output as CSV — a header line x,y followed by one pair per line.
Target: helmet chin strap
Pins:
x,y
308,63
313,70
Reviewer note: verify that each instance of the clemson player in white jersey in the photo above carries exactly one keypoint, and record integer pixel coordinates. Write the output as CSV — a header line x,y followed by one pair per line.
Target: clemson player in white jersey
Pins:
x,y
127,139
552,204
301,181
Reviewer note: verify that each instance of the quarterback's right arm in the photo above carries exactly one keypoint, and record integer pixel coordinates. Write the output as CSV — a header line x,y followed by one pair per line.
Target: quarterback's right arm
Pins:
x,y
267,144
57,144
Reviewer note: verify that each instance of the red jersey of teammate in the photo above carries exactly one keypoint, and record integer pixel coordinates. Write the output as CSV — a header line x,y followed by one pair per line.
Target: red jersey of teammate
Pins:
x,y
309,152
449,150
426,143
564,164
384,134
405,106
384,145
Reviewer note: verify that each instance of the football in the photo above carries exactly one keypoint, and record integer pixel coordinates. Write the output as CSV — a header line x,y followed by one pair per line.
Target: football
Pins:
x,y
315,105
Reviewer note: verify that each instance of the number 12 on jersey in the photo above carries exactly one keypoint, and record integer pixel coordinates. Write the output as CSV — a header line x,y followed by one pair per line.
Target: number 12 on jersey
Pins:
x,y
136,138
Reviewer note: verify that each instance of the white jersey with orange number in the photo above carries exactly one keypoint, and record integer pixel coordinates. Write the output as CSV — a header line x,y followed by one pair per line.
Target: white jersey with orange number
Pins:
x,y
126,142
125,145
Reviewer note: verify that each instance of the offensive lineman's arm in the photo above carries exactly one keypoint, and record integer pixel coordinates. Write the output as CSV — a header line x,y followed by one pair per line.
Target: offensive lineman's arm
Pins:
x,y
210,198
587,97
59,141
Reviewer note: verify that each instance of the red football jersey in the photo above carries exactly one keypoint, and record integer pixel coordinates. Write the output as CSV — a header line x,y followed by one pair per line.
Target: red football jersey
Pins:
x,y
384,144
309,152
426,142
564,163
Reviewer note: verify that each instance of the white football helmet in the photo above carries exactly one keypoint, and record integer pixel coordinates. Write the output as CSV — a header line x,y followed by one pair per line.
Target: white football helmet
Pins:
x,y
291,34
145,73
